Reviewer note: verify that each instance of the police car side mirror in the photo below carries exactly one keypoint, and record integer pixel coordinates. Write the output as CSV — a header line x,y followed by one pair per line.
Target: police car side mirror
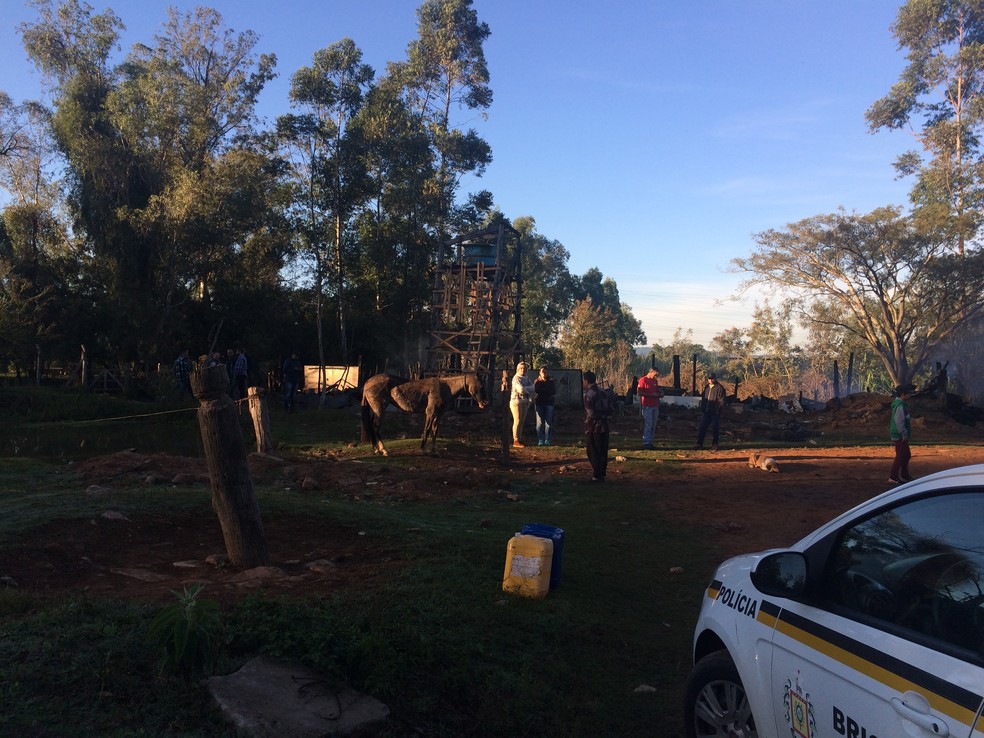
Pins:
x,y
781,574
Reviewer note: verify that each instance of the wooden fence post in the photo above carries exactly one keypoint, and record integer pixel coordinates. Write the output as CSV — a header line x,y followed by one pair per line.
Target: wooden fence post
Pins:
x,y
233,498
260,413
505,392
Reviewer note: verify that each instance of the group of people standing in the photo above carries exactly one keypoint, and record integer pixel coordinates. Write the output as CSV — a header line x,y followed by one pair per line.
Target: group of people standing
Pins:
x,y
238,367
540,393
236,364
712,401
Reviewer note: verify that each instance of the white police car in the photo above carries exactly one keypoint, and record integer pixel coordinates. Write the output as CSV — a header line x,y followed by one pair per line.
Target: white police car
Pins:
x,y
870,627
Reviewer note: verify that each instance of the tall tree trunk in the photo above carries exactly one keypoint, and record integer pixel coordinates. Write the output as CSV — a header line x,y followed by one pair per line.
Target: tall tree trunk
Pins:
x,y
340,287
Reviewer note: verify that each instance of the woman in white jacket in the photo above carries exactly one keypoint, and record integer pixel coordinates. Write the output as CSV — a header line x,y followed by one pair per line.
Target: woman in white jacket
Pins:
x,y
520,399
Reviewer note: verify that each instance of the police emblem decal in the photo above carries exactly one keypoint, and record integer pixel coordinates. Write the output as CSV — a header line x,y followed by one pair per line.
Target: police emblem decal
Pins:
x,y
798,710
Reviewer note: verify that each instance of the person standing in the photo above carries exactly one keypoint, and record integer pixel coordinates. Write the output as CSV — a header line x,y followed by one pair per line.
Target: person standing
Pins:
x,y
712,403
649,393
597,411
240,373
182,374
520,399
543,405
900,428
293,376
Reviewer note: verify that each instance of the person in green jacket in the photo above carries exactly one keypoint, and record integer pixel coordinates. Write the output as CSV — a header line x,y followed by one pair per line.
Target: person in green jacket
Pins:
x,y
900,428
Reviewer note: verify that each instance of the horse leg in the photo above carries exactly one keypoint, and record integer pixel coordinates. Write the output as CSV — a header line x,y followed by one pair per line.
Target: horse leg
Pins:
x,y
428,422
434,428
380,448
378,429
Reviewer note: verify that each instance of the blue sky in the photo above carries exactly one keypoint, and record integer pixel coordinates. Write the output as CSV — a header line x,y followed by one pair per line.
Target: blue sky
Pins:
x,y
652,138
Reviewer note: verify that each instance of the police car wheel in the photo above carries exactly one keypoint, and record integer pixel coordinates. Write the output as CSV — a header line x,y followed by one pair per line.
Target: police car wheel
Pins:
x,y
715,703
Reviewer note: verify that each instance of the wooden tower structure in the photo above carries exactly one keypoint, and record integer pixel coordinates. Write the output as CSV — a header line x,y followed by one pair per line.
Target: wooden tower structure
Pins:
x,y
475,309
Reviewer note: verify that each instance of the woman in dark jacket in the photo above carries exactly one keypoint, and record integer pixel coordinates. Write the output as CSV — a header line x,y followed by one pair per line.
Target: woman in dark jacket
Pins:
x,y
544,391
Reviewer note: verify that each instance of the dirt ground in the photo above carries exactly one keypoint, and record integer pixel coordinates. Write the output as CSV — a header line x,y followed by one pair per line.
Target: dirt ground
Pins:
x,y
739,508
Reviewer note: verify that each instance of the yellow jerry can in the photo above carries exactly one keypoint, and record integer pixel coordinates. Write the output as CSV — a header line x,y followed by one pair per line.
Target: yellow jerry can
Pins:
x,y
528,561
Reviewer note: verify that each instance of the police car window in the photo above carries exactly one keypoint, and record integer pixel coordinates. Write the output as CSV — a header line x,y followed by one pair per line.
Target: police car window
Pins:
x,y
919,566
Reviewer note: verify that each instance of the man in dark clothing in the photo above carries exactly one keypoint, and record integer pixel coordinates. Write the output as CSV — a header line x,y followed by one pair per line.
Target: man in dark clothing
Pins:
x,y
293,375
182,374
240,373
712,403
597,411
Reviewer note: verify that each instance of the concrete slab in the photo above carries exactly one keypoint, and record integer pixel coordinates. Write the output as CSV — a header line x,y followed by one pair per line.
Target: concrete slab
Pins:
x,y
267,699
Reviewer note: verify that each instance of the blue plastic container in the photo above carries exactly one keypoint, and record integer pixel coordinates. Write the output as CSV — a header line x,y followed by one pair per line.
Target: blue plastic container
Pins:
x,y
557,536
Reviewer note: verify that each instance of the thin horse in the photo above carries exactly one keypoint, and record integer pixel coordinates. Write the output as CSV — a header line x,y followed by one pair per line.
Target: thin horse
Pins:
x,y
431,396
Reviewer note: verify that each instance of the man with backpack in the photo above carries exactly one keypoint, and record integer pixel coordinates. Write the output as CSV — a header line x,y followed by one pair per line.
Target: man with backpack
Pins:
x,y
597,414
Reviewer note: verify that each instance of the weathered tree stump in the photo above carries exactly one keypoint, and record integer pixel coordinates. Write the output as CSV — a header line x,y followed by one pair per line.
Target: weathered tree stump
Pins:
x,y
260,414
233,498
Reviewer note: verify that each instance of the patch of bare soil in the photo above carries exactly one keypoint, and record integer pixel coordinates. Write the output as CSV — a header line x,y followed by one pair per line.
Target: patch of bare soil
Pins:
x,y
738,508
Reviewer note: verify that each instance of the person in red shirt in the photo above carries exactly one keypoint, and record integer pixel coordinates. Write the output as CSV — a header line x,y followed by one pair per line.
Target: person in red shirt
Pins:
x,y
649,393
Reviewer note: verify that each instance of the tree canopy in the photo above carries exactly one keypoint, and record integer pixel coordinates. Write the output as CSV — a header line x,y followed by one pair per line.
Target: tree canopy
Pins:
x,y
157,213
877,276
943,85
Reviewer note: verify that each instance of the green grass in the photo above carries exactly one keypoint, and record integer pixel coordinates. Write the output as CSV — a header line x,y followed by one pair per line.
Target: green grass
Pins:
x,y
438,641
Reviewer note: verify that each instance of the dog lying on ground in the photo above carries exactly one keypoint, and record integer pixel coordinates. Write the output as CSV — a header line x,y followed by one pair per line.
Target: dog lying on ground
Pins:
x,y
763,462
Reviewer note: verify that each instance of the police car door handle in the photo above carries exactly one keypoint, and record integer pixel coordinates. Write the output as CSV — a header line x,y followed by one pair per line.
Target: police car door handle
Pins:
x,y
915,709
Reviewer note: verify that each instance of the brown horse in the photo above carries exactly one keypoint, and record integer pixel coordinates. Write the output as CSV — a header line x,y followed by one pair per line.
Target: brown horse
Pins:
x,y
431,396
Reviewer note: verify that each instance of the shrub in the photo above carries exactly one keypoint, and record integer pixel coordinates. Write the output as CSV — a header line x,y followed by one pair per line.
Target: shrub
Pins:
x,y
187,634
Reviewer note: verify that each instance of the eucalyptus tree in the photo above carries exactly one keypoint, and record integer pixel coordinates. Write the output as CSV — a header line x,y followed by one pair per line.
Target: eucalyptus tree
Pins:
x,y
327,165
35,250
879,276
445,73
11,125
29,163
71,48
395,248
588,342
548,289
940,95
186,106
145,143
603,292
